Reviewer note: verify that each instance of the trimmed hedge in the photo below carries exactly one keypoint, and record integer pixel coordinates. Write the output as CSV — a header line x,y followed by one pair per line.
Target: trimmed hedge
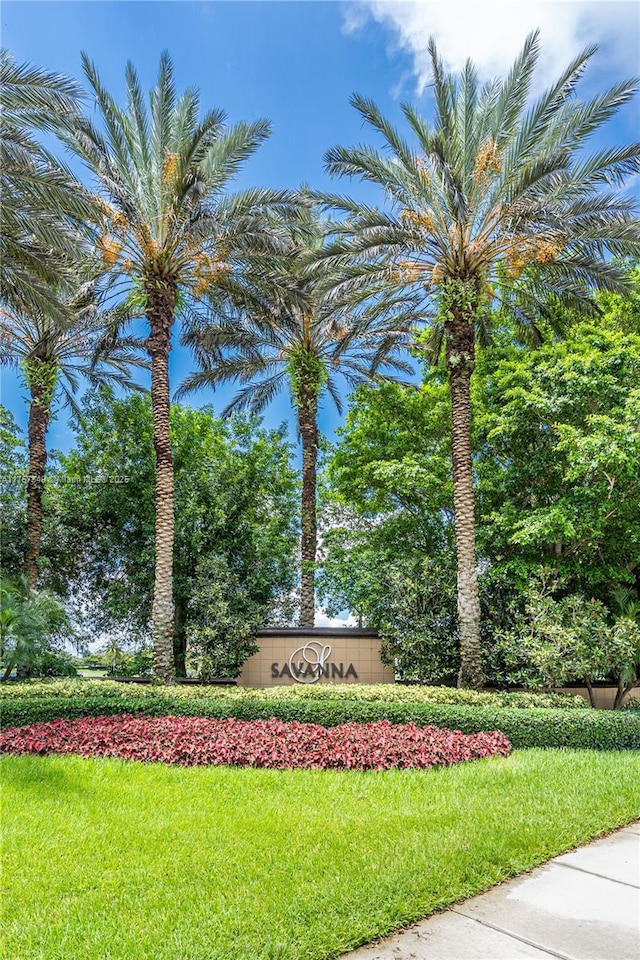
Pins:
x,y
385,692
574,729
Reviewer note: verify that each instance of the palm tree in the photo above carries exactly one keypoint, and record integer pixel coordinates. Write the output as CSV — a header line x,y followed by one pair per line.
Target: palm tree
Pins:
x,y
43,205
626,608
285,328
496,187
170,233
28,618
69,339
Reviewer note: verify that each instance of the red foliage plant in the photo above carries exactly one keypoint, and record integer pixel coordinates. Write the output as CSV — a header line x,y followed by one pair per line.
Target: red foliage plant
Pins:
x,y
197,741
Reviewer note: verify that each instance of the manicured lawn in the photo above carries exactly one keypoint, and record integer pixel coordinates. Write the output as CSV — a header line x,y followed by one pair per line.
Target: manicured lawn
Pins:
x,y
109,860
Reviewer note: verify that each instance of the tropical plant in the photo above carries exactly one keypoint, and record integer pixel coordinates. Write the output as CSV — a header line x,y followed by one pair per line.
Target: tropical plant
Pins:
x,y
286,329
170,233
44,207
54,347
626,608
29,619
499,190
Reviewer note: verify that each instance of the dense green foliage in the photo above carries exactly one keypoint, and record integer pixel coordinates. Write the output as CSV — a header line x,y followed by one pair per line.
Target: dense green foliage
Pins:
x,y
563,637
557,462
224,863
234,555
13,479
525,726
559,457
235,562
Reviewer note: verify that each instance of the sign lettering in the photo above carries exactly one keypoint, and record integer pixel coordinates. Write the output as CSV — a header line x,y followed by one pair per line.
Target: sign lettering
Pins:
x,y
310,662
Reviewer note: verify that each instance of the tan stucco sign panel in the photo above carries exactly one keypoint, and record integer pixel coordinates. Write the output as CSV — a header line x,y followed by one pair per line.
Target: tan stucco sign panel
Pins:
x,y
293,657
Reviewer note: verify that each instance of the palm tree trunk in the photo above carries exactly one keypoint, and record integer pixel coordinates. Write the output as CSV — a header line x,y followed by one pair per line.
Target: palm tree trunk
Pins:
x,y
39,415
161,302
460,355
308,425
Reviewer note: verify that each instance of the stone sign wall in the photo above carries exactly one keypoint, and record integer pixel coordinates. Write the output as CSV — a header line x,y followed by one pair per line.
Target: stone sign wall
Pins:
x,y
291,656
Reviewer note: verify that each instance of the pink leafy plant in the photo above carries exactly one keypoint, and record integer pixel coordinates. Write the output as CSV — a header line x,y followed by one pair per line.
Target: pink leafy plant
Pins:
x,y
197,741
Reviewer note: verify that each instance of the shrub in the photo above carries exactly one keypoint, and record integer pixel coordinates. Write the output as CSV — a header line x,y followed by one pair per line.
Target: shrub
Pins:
x,y
525,727
572,637
120,663
55,663
196,741
388,693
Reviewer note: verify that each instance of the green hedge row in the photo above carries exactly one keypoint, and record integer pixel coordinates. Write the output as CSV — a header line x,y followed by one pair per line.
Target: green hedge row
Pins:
x,y
575,729
385,692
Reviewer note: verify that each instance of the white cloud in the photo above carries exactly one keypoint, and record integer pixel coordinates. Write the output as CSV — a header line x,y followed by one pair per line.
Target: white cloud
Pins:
x,y
322,620
491,32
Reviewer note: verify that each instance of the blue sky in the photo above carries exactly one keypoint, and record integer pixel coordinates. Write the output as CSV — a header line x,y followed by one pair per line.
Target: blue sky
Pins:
x,y
297,64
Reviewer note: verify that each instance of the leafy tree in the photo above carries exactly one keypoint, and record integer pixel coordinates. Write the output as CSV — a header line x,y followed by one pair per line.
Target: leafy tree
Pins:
x,y
236,493
53,348
286,330
44,208
388,539
409,600
558,465
170,234
223,618
500,190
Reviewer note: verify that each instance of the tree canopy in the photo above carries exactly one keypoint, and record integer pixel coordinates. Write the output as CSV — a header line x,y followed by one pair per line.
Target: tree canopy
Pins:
x,y
236,493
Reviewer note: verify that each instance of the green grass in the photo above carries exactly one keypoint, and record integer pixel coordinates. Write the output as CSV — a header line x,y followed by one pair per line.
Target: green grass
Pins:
x,y
107,860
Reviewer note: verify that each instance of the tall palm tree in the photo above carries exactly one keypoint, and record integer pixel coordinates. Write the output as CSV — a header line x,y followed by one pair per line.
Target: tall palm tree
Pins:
x,y
170,233
495,188
43,205
55,347
285,329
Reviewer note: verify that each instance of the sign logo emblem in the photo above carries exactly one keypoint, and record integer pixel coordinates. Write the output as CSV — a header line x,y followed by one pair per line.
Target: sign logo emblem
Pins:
x,y
306,664
310,663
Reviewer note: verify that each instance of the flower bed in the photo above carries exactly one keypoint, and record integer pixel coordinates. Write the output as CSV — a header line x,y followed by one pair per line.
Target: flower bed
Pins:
x,y
196,741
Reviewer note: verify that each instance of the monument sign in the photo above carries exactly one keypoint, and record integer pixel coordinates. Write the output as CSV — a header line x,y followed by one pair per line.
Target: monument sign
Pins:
x,y
290,656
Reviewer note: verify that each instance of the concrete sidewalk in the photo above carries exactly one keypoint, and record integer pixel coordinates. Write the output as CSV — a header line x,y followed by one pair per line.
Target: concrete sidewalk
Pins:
x,y
583,905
